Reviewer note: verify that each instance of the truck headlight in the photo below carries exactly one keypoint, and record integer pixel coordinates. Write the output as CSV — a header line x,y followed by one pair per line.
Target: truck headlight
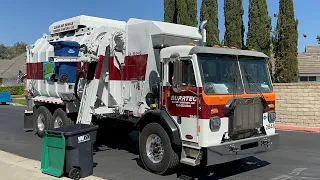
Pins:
x,y
215,123
272,117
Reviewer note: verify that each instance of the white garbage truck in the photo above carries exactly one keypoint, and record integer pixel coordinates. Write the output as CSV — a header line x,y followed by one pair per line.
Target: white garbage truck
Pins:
x,y
190,103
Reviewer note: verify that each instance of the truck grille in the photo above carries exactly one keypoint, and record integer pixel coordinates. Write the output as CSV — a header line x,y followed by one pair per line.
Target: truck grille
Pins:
x,y
247,116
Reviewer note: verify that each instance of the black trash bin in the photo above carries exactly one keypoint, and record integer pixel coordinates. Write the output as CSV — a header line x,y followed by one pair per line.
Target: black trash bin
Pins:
x,y
79,140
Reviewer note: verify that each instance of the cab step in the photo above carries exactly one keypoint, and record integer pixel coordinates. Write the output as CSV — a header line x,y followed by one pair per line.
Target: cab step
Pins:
x,y
191,157
189,161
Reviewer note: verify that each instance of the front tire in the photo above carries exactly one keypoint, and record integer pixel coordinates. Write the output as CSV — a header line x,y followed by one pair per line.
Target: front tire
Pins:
x,y
156,151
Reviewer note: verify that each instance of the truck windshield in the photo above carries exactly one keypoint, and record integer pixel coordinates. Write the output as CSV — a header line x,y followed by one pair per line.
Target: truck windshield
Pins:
x,y
255,74
220,74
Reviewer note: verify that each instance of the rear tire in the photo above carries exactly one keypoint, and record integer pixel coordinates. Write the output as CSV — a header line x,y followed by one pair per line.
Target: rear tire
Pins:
x,y
60,119
165,158
42,120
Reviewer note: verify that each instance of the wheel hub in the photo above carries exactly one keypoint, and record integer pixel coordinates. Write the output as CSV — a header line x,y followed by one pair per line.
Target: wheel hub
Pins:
x,y
58,122
40,123
154,148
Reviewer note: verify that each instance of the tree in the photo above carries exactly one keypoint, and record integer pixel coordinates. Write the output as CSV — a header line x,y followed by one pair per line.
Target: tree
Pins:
x,y
209,12
7,52
170,11
187,12
318,38
233,12
259,28
286,42
19,48
181,12
3,51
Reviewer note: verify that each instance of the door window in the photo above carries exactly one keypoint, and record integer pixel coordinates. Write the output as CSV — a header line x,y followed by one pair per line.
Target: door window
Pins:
x,y
188,78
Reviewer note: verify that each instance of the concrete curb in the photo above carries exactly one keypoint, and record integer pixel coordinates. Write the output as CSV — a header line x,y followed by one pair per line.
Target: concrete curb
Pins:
x,y
297,128
32,165
15,104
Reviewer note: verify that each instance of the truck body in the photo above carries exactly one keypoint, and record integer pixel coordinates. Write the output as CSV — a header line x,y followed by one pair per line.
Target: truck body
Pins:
x,y
191,104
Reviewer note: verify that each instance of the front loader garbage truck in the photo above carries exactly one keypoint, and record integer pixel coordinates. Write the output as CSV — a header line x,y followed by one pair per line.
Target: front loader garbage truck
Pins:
x,y
190,103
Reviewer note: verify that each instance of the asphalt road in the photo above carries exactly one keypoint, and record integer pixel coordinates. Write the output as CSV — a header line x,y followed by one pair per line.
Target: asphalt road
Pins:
x,y
297,159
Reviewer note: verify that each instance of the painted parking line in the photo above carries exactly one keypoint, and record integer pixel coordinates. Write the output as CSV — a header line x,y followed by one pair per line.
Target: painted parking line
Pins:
x,y
293,173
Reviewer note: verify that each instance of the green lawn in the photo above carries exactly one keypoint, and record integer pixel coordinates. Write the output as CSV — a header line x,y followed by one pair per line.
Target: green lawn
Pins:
x,y
17,96
18,99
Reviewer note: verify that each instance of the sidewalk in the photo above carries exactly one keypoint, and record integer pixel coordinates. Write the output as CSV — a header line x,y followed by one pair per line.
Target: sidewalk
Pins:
x,y
18,168
297,128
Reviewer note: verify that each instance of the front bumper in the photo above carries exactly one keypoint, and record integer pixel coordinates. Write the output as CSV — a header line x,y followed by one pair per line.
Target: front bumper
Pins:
x,y
242,148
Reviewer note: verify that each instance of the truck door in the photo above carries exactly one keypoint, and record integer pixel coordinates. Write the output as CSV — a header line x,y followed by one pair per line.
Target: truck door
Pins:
x,y
183,105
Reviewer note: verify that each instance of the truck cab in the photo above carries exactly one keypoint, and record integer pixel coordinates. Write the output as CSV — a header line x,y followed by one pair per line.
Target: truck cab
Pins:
x,y
219,96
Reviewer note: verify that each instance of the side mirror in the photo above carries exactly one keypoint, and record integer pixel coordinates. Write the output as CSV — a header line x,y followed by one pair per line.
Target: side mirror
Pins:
x,y
177,73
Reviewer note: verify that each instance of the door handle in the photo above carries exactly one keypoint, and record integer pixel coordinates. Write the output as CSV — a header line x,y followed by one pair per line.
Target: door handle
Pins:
x,y
179,119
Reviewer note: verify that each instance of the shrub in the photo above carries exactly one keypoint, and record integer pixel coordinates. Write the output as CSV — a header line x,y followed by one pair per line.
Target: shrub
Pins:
x,y
14,90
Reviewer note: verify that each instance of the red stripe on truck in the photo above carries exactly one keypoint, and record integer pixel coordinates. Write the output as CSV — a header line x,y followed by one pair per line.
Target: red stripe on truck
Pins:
x,y
99,67
34,70
134,68
114,72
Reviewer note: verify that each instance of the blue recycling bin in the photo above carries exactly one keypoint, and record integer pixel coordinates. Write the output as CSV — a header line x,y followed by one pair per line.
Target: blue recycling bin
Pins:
x,y
66,48
5,97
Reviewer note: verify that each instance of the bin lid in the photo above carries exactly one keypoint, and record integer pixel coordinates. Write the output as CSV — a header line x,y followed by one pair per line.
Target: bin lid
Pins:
x,y
53,154
66,43
73,129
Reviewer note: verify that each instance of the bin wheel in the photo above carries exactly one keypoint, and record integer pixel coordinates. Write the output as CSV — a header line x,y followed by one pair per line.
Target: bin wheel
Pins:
x,y
60,119
75,173
156,151
42,120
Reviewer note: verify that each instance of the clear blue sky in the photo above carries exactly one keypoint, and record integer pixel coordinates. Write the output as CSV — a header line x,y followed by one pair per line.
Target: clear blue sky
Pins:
x,y
27,20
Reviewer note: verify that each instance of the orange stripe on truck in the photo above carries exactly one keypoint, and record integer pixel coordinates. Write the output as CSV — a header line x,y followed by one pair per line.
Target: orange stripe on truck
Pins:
x,y
223,99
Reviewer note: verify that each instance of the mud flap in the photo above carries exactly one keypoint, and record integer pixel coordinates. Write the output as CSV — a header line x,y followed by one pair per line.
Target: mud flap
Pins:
x,y
28,121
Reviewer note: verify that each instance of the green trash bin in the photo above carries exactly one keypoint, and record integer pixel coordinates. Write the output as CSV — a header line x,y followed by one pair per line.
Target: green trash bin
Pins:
x,y
69,150
53,154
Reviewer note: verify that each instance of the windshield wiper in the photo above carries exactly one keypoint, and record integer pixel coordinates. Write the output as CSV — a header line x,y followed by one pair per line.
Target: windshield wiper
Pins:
x,y
247,75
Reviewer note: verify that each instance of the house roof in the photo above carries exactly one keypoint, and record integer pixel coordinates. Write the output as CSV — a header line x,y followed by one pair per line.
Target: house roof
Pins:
x,y
312,49
10,68
309,63
5,65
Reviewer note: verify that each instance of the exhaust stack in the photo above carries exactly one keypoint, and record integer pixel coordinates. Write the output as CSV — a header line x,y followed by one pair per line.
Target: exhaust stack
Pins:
x,y
203,32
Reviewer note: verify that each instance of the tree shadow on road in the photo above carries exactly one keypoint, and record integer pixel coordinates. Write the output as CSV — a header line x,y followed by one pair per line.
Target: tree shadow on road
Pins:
x,y
125,142
215,172
130,143
220,171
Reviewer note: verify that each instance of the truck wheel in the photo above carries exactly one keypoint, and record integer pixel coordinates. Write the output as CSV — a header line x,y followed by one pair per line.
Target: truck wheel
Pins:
x,y
42,120
156,152
60,119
